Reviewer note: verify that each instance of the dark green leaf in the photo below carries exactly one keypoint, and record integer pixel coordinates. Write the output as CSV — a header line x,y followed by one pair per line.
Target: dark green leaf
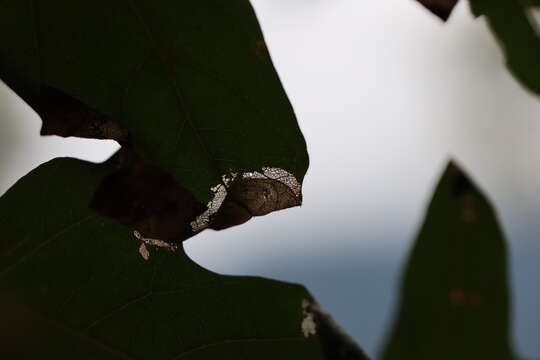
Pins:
x,y
516,30
74,286
454,297
188,85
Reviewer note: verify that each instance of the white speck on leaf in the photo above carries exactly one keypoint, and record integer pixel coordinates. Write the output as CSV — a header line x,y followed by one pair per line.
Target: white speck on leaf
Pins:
x,y
144,251
152,242
309,327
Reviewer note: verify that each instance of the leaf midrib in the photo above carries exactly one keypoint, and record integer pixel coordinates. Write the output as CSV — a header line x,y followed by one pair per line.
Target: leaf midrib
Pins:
x,y
170,76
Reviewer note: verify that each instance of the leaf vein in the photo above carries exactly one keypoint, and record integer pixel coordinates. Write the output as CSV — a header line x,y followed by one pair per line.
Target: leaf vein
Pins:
x,y
236,341
170,74
44,244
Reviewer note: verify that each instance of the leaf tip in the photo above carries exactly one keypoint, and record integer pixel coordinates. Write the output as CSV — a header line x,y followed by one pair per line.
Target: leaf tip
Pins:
x,y
441,8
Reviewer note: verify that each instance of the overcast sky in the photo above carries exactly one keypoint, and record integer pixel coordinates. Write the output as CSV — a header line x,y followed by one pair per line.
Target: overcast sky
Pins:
x,y
385,94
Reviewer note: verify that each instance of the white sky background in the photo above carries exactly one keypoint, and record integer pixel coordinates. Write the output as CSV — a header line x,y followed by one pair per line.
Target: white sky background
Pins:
x,y
384,93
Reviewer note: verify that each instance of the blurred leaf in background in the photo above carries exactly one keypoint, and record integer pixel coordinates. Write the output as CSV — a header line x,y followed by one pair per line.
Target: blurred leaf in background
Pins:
x,y
514,25
455,295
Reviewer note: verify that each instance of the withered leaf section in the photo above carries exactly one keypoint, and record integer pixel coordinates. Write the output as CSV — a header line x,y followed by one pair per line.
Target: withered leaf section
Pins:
x,y
147,199
250,197
65,116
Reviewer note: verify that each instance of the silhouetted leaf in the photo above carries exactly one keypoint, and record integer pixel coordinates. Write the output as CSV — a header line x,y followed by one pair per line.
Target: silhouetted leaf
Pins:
x,y
335,342
187,85
441,8
516,31
74,285
454,297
